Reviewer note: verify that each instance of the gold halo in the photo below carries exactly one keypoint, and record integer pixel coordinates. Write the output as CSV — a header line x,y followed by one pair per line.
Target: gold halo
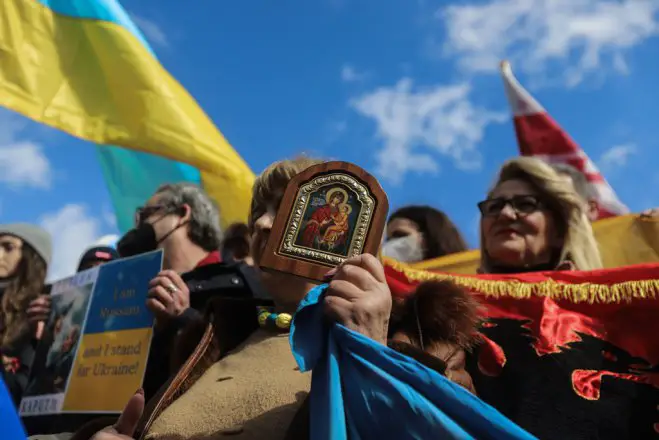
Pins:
x,y
348,206
331,192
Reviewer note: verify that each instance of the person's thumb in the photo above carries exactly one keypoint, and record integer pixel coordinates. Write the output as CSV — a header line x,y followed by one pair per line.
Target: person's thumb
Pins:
x,y
131,415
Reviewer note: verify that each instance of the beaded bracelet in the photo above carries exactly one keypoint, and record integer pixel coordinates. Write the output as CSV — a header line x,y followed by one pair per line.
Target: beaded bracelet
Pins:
x,y
276,321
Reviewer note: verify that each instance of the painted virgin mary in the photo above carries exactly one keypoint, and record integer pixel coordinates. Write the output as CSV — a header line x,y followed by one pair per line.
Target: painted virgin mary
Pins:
x,y
322,218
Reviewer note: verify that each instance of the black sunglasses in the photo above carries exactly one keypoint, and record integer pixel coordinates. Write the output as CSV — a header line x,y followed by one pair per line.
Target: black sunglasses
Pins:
x,y
522,205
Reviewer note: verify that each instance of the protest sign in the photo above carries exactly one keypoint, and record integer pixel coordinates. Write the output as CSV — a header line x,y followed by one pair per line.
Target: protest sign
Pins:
x,y
99,337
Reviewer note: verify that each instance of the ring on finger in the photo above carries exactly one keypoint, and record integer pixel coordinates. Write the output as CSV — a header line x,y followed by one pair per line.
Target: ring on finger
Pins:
x,y
171,288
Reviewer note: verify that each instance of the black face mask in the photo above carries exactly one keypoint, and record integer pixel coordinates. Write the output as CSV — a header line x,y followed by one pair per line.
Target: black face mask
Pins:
x,y
142,239
137,241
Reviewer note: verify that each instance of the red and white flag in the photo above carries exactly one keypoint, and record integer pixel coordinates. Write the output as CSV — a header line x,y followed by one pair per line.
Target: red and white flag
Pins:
x,y
539,135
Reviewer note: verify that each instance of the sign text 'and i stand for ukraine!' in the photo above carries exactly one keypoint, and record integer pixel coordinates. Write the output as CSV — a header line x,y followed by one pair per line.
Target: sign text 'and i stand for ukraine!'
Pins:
x,y
96,341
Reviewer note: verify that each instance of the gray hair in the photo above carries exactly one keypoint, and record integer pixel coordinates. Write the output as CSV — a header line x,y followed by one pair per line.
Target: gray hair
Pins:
x,y
579,181
204,230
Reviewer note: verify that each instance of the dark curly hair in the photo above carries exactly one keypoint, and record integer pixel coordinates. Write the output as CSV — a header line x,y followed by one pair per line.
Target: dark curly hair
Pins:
x,y
27,285
441,235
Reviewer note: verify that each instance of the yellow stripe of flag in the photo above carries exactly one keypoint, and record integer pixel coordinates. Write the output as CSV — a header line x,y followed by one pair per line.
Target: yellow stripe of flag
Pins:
x,y
95,80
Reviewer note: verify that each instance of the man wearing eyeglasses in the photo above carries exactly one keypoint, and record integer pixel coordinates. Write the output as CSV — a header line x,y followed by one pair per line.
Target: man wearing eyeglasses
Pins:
x,y
184,221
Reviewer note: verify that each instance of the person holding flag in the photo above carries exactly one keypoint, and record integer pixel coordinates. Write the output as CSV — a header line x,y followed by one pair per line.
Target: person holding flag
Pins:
x,y
567,349
242,379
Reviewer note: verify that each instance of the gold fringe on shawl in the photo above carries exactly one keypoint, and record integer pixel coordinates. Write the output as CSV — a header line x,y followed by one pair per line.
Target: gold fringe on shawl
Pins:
x,y
583,292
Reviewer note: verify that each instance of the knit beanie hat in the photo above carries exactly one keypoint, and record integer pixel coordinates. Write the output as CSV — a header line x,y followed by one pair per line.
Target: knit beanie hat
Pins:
x,y
33,235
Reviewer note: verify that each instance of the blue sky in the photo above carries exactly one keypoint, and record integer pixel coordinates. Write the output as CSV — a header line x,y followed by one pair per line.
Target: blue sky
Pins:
x,y
406,89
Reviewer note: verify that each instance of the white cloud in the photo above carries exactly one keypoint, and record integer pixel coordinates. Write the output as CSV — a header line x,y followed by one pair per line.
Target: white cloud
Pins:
x,y
151,30
440,118
73,231
23,164
534,33
350,74
617,156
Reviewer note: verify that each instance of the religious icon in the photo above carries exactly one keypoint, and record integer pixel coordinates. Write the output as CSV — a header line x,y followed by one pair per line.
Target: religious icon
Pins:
x,y
327,222
330,212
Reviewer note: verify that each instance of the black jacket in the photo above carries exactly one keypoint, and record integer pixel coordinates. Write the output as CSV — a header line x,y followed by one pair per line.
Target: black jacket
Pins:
x,y
234,280
17,375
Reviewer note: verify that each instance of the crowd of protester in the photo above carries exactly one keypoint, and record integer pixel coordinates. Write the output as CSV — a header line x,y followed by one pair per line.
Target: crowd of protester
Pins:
x,y
214,370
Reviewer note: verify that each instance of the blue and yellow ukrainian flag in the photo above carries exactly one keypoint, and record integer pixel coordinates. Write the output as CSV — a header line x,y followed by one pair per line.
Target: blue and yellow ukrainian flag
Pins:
x,y
83,67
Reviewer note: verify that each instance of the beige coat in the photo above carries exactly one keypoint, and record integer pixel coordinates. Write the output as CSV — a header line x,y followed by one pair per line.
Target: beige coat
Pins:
x,y
252,393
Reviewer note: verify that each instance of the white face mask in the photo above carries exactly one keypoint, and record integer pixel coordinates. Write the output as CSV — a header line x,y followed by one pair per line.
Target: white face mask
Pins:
x,y
405,249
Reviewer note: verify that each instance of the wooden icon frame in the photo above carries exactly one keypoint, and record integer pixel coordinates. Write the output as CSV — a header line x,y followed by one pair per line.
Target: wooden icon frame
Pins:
x,y
336,188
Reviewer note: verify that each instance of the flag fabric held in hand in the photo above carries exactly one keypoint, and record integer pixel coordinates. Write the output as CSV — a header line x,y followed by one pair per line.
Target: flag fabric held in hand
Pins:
x,y
361,389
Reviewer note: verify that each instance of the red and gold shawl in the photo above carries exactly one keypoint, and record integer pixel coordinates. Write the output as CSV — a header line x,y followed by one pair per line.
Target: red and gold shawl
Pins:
x,y
565,354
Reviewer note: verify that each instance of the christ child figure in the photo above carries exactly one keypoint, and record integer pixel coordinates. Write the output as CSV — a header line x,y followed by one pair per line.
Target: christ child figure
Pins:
x,y
339,226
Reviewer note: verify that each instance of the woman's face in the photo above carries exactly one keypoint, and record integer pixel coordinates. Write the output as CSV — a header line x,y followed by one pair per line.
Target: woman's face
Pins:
x,y
286,290
402,227
517,229
404,241
11,252
263,221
